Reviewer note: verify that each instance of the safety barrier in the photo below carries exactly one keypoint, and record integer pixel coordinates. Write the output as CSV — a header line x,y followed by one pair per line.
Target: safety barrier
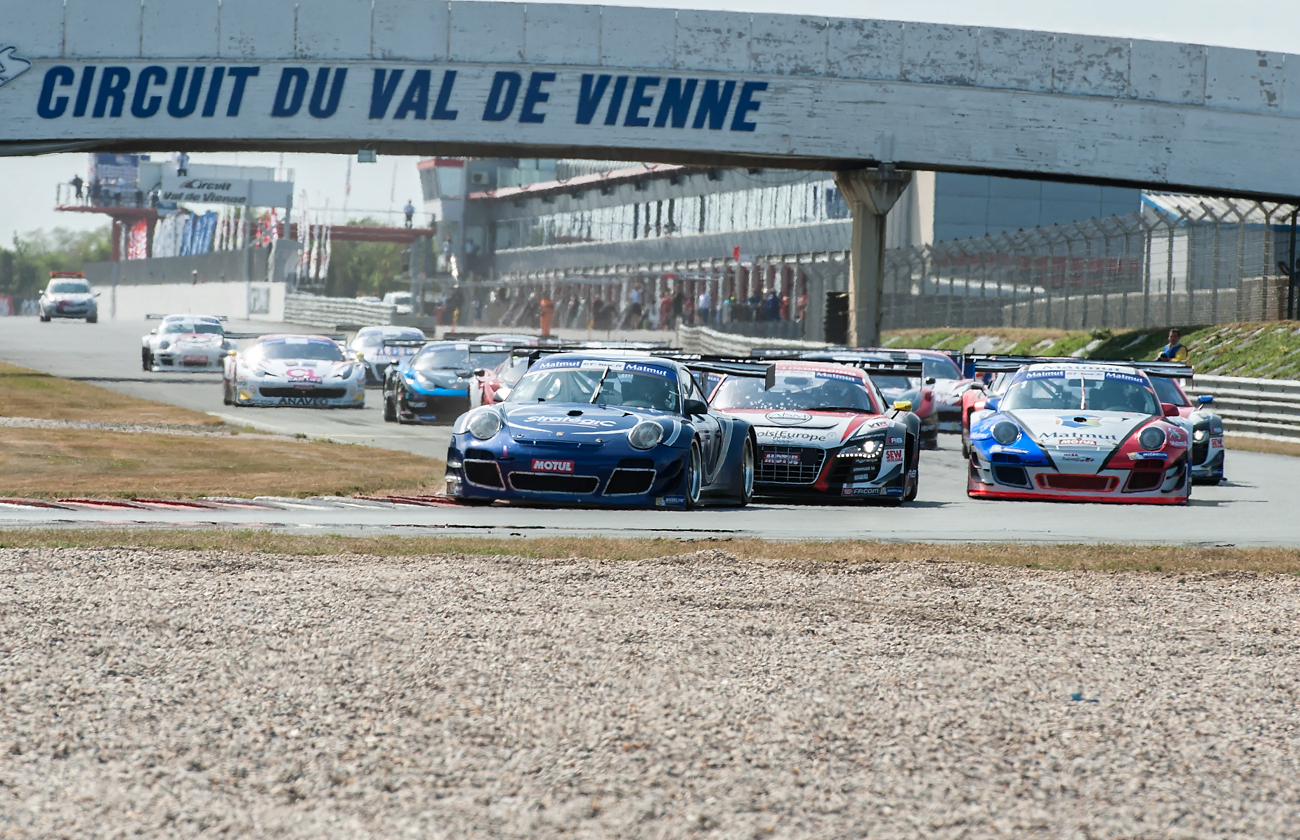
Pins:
x,y
705,340
335,313
1268,408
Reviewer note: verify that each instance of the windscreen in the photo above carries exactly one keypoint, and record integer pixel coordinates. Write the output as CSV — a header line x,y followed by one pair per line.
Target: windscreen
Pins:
x,y
452,357
940,368
630,384
511,372
1074,390
184,327
1168,392
797,390
373,343
298,348
893,383
69,287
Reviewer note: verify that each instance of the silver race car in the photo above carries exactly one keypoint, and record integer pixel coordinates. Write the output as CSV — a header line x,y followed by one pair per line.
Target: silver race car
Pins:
x,y
185,342
308,371
379,347
68,295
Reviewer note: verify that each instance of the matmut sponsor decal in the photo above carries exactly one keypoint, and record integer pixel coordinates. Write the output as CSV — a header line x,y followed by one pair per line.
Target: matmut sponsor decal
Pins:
x,y
548,465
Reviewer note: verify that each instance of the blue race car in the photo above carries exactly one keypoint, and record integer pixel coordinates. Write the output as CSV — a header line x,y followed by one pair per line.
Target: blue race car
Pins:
x,y
603,428
433,385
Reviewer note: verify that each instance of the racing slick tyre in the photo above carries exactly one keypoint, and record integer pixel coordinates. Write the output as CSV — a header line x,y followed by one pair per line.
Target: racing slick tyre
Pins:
x,y
1210,481
93,319
693,481
475,502
146,363
747,473
390,412
912,485
45,318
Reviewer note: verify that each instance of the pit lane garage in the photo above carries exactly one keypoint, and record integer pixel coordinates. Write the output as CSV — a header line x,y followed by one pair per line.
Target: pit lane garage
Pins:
x,y
604,428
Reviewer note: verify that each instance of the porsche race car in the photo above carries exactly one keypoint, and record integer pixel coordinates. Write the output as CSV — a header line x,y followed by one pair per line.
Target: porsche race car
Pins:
x,y
306,371
824,430
1076,430
185,342
609,428
68,295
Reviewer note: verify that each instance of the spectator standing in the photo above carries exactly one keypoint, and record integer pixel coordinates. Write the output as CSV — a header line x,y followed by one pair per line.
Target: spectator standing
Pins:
x,y
76,186
704,305
546,311
771,306
182,165
409,210
1174,351
679,306
724,315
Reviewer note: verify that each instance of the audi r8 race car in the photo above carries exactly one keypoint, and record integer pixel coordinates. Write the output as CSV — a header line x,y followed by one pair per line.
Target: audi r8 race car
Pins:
x,y
433,385
913,388
823,430
1202,423
309,371
379,347
603,428
68,295
185,342
1074,430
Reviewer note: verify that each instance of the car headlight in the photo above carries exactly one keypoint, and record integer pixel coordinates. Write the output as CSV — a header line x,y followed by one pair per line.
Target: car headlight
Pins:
x,y
484,425
1006,433
1152,437
645,434
1199,435
869,448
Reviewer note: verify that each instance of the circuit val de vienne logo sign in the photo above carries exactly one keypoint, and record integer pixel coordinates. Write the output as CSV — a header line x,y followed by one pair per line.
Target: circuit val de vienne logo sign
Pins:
x,y
11,66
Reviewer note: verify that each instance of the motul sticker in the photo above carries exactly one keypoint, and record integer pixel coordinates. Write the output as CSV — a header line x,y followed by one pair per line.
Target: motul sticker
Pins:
x,y
782,459
893,456
545,465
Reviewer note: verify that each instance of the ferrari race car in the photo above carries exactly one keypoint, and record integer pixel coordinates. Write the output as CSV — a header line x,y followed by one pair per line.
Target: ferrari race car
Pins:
x,y
823,430
1074,430
488,384
434,384
1202,423
947,382
68,295
377,348
603,428
307,371
185,342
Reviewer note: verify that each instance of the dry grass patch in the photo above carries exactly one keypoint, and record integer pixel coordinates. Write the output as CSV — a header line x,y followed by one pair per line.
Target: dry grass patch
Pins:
x,y
54,463
1264,445
1095,558
30,393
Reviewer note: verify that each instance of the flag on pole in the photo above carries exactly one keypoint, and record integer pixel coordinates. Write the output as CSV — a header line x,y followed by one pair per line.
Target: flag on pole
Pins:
x,y
325,259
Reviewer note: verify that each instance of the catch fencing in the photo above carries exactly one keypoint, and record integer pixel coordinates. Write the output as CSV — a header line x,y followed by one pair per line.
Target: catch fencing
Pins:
x,y
1180,260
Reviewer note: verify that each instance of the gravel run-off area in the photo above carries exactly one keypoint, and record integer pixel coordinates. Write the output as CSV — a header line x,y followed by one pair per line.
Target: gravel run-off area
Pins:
x,y
167,693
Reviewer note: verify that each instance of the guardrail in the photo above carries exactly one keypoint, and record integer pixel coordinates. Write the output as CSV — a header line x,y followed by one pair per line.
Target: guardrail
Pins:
x,y
1268,408
332,313
705,340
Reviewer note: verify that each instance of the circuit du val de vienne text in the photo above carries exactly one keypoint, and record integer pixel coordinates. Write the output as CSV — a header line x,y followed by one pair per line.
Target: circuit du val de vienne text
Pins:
x,y
639,101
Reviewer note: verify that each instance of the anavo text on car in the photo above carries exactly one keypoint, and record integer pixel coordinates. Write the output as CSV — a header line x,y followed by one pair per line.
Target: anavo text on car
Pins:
x,y
302,371
603,428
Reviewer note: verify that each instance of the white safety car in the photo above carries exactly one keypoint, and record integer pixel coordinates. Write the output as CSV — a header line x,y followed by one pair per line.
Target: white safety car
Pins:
x,y
309,371
185,342
68,295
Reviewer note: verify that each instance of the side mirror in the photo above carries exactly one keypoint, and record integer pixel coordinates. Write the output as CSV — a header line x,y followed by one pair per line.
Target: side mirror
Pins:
x,y
1169,409
232,354
902,405
1205,399
96,294
992,403
480,372
977,386
693,407
929,380
360,356
153,331
500,394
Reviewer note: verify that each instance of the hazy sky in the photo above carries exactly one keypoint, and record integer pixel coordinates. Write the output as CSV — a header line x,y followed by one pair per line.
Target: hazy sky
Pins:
x,y
385,186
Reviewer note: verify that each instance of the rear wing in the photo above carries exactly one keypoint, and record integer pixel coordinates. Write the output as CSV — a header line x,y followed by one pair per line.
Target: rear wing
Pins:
x,y
154,316
899,365
405,342
1008,364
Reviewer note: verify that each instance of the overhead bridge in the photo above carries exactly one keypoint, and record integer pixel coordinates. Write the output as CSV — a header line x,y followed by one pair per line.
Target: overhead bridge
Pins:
x,y
870,99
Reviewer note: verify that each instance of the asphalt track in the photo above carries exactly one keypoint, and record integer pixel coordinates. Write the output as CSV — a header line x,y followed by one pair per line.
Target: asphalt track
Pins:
x,y
1254,508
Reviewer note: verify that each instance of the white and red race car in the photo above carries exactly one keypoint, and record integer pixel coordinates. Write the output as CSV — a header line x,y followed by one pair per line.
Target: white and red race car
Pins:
x,y
824,430
185,342
307,371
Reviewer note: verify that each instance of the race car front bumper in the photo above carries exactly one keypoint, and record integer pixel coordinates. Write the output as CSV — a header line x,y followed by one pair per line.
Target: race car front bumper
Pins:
x,y
1161,485
1207,460
795,472
167,360
441,405
348,394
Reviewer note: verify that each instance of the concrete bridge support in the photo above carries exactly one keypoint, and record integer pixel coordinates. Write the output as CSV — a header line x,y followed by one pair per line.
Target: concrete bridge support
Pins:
x,y
870,193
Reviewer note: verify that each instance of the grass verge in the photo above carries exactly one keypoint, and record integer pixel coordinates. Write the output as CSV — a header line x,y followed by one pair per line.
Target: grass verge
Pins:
x,y
1098,558
1264,445
30,393
62,463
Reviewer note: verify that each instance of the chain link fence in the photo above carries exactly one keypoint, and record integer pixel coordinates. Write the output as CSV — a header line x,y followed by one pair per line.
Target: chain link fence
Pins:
x,y
1180,260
